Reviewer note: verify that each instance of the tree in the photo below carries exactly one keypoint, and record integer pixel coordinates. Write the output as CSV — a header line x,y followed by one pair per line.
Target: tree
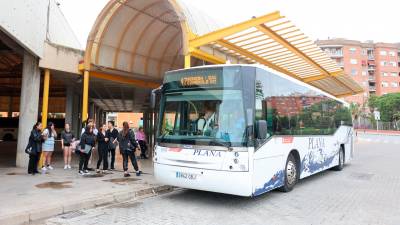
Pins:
x,y
388,105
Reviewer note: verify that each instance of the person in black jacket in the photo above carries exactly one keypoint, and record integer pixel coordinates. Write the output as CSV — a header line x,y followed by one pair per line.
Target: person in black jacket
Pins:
x,y
87,143
127,147
102,148
35,142
112,135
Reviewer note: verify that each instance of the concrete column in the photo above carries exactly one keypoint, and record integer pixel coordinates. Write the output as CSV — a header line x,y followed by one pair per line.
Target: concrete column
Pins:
x,y
10,106
69,105
91,110
29,104
76,114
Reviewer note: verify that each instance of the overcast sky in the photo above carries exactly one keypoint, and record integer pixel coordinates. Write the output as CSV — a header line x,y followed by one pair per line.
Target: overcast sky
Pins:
x,y
376,20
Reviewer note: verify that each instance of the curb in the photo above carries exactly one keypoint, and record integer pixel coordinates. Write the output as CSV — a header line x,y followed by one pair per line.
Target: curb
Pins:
x,y
26,217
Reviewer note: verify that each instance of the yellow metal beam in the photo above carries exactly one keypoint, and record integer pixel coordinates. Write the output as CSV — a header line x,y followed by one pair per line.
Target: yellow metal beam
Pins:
x,y
45,98
295,50
322,76
124,80
85,96
187,61
114,11
256,58
225,32
45,105
207,57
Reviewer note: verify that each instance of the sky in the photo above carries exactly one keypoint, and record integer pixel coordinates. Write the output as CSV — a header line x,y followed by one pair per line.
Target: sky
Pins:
x,y
319,19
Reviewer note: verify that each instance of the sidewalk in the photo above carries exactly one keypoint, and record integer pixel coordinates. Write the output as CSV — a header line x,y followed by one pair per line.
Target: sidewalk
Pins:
x,y
26,198
383,132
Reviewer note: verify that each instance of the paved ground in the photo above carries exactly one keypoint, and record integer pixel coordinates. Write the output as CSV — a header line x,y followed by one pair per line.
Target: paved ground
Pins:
x,y
25,197
366,192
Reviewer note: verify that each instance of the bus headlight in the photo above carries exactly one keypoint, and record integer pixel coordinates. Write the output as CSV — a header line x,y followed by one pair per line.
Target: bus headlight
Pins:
x,y
236,161
236,154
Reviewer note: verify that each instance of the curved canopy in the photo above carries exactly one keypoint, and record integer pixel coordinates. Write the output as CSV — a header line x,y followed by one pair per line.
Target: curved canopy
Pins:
x,y
141,39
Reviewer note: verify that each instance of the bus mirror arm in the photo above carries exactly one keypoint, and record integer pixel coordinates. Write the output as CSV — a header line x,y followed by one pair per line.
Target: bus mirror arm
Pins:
x,y
153,96
261,129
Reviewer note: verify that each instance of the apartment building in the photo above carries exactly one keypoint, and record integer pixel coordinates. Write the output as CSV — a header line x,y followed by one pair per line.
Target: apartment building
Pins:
x,y
375,66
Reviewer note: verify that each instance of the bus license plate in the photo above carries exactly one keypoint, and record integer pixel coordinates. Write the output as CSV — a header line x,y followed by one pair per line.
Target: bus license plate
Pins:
x,y
188,176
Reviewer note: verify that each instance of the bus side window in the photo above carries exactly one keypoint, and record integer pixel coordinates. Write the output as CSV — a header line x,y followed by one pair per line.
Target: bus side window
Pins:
x,y
262,123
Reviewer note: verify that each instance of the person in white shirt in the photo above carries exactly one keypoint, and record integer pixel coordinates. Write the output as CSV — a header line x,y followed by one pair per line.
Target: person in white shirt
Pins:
x,y
208,122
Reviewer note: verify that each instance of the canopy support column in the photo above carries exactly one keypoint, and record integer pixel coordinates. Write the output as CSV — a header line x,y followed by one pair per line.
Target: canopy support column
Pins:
x,y
85,96
188,61
45,100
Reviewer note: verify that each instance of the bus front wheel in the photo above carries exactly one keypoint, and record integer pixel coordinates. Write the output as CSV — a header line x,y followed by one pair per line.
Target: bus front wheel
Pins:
x,y
340,166
291,174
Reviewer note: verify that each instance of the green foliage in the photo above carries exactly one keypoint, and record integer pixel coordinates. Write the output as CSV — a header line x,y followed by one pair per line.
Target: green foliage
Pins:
x,y
388,105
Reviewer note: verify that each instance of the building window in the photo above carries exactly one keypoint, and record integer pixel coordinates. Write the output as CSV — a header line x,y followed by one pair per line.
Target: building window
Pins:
x,y
394,64
364,51
365,83
385,84
353,61
384,74
353,72
382,52
352,50
364,73
393,74
392,53
394,84
383,63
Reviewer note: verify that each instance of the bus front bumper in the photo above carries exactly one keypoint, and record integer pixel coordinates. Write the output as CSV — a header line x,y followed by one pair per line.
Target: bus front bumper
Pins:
x,y
235,183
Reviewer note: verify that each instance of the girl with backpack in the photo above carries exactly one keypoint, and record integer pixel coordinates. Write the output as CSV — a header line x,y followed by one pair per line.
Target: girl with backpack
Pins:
x,y
127,147
88,141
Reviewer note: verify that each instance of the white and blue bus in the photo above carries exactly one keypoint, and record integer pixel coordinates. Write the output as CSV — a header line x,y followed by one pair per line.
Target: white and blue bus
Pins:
x,y
246,130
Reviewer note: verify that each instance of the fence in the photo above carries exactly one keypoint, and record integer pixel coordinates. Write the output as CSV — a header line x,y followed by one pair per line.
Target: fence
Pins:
x,y
365,123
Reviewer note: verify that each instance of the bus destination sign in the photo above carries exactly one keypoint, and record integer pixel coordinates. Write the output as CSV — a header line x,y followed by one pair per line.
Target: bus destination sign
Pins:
x,y
199,80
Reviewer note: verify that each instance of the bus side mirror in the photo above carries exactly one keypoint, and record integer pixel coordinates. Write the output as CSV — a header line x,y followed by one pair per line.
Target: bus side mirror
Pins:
x,y
153,97
261,129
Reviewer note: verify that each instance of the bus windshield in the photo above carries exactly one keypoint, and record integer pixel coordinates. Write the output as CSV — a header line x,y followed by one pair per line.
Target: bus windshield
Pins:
x,y
203,117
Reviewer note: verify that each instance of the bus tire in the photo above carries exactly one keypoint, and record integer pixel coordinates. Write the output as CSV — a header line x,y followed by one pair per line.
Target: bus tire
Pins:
x,y
340,166
291,175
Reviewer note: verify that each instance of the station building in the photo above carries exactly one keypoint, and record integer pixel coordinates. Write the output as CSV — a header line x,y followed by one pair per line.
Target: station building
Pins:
x,y
44,74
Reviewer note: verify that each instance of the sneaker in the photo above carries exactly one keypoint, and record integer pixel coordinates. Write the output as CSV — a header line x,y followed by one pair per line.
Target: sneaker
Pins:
x,y
86,171
44,168
98,171
69,166
81,172
138,173
127,175
50,167
65,167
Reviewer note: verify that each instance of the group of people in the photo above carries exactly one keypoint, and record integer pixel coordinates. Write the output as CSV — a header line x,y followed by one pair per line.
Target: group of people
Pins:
x,y
107,138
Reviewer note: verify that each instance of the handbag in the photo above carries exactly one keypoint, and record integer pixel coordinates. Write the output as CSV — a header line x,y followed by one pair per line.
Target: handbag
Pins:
x,y
87,149
28,149
111,145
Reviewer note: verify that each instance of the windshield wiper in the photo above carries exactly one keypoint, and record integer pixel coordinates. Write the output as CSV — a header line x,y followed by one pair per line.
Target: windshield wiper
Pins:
x,y
228,145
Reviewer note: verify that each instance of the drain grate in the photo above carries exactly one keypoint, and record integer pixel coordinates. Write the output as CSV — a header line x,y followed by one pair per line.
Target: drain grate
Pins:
x,y
72,215
361,176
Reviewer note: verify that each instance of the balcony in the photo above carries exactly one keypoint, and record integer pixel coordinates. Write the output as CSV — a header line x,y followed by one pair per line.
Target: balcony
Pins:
x,y
371,68
371,79
372,88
